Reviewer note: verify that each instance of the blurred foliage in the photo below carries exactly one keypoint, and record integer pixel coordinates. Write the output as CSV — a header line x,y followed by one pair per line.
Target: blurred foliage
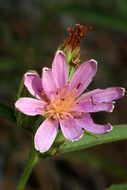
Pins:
x,y
111,166
118,187
96,14
7,112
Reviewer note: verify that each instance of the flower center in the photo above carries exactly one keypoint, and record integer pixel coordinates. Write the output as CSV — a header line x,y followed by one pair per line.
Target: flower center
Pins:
x,y
62,104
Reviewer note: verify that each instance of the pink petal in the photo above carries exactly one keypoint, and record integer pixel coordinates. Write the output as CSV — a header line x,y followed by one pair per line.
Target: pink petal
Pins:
x,y
106,95
83,76
46,134
60,69
70,129
87,123
49,82
34,84
30,106
89,106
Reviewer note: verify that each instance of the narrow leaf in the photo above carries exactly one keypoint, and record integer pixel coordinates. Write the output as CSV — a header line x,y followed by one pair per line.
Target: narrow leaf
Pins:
x,y
119,132
7,112
118,187
110,165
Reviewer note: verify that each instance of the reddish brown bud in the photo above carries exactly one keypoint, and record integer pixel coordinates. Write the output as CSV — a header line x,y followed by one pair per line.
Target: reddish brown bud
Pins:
x,y
75,36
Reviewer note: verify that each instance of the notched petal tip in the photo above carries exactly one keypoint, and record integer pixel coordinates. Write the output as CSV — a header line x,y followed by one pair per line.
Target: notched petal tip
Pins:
x,y
59,52
27,74
119,91
93,60
94,64
46,69
122,91
16,104
112,108
74,140
39,148
30,72
109,128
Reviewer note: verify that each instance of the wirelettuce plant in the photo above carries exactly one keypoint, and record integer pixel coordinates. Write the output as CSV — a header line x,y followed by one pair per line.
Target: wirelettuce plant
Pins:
x,y
64,107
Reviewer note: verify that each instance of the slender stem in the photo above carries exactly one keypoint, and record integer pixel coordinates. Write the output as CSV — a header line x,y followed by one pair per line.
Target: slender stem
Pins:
x,y
71,72
32,160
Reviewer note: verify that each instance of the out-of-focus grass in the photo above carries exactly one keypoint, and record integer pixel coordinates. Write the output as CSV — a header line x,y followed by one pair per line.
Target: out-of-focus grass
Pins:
x,y
109,165
96,16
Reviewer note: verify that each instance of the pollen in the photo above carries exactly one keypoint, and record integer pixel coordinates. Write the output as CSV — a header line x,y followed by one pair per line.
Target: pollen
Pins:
x,y
62,104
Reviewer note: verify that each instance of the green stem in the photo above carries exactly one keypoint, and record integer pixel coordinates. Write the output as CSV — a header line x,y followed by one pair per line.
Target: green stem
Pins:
x,y
71,72
32,160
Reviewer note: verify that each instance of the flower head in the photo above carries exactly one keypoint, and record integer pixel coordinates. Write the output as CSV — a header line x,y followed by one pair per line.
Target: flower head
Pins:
x,y
63,103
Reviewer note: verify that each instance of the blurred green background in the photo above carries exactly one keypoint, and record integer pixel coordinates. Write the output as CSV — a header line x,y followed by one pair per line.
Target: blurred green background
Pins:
x,y
30,33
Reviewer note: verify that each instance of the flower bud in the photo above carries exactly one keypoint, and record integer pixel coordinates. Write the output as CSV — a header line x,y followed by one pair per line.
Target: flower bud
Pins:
x,y
71,46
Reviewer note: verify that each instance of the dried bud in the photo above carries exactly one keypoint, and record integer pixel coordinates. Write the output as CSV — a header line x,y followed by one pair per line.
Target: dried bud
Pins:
x,y
71,47
75,36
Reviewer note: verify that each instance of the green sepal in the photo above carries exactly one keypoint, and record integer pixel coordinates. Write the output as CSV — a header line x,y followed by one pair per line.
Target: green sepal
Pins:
x,y
24,121
71,72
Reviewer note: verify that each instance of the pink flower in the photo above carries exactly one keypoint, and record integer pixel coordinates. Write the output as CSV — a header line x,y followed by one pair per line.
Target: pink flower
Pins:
x,y
61,104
